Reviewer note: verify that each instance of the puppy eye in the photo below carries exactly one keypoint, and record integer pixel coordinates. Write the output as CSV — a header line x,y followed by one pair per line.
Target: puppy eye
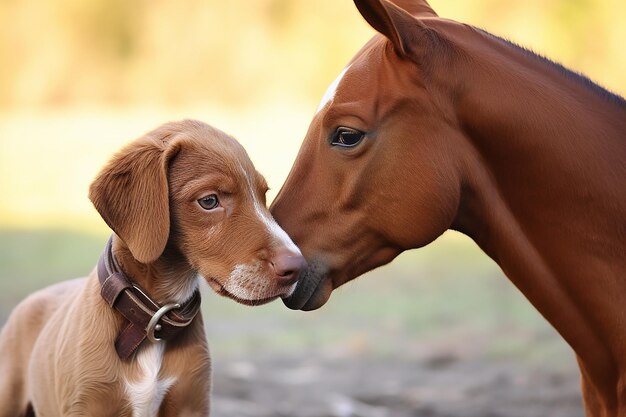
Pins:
x,y
347,137
209,202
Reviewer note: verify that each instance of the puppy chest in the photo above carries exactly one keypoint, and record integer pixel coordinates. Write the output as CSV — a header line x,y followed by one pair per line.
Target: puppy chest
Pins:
x,y
145,388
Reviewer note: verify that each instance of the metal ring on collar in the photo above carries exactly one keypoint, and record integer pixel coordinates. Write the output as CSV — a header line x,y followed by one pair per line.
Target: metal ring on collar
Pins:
x,y
153,324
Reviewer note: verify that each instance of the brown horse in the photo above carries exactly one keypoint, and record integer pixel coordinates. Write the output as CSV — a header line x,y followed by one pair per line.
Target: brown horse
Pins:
x,y
436,125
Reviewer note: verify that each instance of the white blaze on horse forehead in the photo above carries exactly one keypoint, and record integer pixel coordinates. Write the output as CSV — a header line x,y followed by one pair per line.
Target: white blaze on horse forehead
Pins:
x,y
332,89
263,214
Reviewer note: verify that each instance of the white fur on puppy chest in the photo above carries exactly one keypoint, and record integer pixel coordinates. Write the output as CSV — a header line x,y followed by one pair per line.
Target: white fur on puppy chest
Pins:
x,y
147,393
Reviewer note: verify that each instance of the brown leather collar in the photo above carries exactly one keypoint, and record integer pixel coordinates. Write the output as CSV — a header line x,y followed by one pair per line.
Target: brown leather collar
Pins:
x,y
145,318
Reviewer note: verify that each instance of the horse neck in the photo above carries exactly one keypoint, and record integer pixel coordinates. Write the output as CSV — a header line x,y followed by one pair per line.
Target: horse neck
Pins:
x,y
543,191
552,147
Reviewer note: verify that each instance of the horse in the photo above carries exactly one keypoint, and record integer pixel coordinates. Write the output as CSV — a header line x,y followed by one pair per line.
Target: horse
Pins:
x,y
437,125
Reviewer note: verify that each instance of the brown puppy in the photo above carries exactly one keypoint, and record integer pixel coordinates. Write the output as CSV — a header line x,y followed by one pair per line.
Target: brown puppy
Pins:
x,y
184,202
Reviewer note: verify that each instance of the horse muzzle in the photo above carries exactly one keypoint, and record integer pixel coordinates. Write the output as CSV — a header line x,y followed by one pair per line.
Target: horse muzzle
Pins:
x,y
312,289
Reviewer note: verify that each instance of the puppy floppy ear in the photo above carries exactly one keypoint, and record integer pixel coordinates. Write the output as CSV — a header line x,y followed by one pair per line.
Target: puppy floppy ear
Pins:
x,y
131,194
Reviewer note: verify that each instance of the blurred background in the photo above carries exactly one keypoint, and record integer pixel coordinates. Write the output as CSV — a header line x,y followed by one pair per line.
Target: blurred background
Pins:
x,y
439,332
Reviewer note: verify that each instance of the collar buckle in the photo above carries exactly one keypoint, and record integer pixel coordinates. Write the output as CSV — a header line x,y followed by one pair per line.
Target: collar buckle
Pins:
x,y
154,326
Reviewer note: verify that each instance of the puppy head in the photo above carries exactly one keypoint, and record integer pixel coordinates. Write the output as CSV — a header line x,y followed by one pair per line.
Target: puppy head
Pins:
x,y
191,187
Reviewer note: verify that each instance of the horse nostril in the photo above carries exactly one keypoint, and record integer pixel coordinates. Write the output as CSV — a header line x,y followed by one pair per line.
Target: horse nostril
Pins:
x,y
287,264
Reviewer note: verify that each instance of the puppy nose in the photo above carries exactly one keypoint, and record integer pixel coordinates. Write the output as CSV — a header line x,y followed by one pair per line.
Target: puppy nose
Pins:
x,y
287,264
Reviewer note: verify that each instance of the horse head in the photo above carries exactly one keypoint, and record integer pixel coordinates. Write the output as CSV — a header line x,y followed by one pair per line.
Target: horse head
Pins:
x,y
376,172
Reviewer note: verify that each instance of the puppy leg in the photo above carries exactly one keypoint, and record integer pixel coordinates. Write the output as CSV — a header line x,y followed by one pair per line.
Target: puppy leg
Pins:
x,y
16,343
17,340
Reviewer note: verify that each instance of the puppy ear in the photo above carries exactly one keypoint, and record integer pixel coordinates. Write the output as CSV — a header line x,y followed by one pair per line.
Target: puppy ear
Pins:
x,y
131,194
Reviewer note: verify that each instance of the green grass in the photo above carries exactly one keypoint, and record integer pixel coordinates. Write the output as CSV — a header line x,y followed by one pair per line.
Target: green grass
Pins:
x,y
32,259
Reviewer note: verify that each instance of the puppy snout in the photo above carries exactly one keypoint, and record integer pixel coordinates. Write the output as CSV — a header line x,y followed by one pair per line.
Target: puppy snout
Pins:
x,y
287,264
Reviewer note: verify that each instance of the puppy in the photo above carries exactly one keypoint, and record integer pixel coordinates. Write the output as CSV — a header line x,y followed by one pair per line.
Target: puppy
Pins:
x,y
185,203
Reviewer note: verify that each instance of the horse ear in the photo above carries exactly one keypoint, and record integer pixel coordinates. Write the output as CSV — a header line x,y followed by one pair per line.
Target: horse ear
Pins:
x,y
395,23
417,8
131,194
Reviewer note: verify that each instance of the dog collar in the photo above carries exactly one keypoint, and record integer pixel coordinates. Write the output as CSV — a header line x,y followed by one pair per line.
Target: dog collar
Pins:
x,y
145,318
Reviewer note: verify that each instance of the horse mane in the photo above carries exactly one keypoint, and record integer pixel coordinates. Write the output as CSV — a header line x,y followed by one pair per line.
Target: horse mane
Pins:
x,y
580,78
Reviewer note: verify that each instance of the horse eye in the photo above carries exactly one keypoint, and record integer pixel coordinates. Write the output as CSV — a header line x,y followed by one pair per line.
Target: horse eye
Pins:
x,y
209,202
347,137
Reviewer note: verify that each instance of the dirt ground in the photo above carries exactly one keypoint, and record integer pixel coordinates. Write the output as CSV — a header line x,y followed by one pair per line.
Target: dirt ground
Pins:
x,y
434,385
443,387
